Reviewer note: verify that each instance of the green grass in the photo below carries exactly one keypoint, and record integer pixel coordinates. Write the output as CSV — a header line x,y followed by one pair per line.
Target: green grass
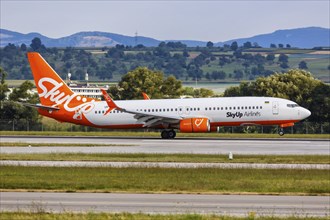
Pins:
x,y
26,144
187,158
157,134
166,180
139,216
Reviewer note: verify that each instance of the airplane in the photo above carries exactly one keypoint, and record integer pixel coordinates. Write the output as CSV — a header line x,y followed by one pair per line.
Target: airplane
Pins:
x,y
191,115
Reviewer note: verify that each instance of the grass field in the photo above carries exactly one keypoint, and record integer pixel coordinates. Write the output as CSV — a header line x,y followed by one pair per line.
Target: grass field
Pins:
x,y
157,134
187,158
139,216
166,180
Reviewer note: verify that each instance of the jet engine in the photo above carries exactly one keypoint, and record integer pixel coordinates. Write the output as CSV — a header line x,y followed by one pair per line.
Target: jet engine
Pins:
x,y
194,125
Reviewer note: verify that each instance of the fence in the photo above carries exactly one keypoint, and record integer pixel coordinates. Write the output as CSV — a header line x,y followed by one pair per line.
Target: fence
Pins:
x,y
28,125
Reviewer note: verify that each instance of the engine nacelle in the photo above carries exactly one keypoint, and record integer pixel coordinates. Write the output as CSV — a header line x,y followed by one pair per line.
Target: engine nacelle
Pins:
x,y
192,125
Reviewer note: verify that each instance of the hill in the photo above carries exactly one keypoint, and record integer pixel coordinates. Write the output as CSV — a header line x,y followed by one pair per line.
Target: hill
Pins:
x,y
301,37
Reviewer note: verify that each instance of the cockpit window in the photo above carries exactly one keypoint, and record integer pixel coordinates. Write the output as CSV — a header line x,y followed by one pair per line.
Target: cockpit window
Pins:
x,y
292,105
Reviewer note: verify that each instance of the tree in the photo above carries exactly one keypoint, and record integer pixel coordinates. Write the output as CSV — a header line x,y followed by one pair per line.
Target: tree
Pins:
x,y
22,93
3,86
284,65
12,110
280,45
247,45
234,46
209,44
270,57
283,58
238,74
296,85
36,45
288,46
145,80
23,47
303,65
272,45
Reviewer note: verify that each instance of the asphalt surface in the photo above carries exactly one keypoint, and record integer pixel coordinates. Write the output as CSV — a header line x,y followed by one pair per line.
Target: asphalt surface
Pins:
x,y
179,145
163,165
166,203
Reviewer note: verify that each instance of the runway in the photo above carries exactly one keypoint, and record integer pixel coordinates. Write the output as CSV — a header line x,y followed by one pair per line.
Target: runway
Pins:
x,y
166,203
179,145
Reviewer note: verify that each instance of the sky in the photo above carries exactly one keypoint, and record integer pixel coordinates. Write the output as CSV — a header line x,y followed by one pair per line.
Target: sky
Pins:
x,y
215,21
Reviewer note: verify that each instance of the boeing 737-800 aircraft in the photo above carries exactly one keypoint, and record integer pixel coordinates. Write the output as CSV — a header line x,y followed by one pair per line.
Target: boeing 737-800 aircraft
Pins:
x,y
186,115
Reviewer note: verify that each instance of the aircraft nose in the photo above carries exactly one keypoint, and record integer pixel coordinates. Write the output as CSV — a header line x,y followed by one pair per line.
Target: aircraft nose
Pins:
x,y
305,113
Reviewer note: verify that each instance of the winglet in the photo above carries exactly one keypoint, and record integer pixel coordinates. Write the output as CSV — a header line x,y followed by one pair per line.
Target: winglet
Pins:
x,y
112,105
145,96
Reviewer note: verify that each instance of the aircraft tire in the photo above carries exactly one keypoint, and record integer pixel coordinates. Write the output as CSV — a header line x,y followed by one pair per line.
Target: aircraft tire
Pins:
x,y
281,131
164,134
171,134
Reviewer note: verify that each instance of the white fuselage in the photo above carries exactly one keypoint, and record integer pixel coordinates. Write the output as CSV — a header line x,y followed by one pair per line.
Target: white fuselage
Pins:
x,y
220,111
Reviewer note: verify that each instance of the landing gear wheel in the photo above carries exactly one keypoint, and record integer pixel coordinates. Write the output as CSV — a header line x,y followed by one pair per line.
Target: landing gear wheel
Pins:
x,y
164,134
170,134
281,131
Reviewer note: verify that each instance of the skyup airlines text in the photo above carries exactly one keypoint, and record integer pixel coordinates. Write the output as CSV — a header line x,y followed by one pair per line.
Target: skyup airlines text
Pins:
x,y
241,114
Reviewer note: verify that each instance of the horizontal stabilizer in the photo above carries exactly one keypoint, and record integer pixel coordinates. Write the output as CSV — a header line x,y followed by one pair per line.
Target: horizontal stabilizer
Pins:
x,y
48,108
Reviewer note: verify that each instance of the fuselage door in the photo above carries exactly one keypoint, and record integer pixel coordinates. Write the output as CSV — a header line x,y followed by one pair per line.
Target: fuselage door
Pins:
x,y
275,108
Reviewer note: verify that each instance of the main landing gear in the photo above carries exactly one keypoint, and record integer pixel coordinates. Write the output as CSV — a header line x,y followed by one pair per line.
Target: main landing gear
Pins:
x,y
280,131
168,134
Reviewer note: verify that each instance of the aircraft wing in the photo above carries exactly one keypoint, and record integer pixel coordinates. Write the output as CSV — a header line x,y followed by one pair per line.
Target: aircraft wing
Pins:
x,y
149,120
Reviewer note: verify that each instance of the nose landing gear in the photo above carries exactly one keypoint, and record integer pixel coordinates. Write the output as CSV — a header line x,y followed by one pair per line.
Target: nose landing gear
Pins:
x,y
280,131
168,134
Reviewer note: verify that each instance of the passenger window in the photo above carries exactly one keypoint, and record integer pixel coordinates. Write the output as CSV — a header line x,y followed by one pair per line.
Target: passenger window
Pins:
x,y
226,108
252,107
99,112
229,108
221,108
206,109
95,112
257,107
210,108
234,108
260,107
249,107
238,108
